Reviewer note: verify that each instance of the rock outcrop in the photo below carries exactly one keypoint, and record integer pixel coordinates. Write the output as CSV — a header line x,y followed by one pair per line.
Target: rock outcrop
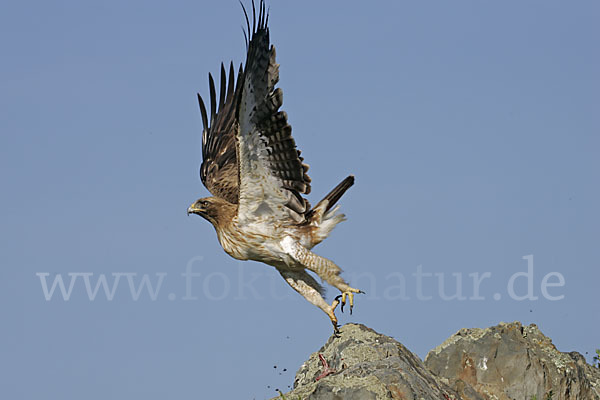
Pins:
x,y
507,361
512,361
364,365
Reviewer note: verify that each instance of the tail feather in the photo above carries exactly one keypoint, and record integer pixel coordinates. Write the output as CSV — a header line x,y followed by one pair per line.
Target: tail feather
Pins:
x,y
337,192
325,215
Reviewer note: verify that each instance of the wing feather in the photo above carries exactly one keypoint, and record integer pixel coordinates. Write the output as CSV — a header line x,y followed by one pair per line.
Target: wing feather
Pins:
x,y
223,87
272,175
219,169
249,155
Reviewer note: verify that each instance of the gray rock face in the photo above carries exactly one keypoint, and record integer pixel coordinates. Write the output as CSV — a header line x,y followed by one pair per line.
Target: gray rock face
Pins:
x,y
504,362
367,365
511,361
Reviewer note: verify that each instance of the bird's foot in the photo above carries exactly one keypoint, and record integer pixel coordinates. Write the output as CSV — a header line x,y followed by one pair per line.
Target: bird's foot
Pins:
x,y
333,318
349,293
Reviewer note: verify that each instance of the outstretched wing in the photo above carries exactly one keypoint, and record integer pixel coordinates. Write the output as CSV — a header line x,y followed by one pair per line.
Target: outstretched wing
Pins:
x,y
271,173
219,169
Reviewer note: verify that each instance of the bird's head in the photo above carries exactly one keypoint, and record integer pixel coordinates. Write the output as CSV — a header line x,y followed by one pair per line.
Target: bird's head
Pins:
x,y
213,209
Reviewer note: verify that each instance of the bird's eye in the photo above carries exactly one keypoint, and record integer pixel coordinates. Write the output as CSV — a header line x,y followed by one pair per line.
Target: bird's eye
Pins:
x,y
204,203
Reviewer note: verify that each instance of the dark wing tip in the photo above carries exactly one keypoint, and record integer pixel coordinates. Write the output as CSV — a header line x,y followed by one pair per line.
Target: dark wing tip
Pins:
x,y
253,17
222,87
267,19
258,23
213,96
231,80
203,112
248,36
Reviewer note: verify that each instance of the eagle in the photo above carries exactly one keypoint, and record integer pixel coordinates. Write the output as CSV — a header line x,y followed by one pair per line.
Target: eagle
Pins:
x,y
251,166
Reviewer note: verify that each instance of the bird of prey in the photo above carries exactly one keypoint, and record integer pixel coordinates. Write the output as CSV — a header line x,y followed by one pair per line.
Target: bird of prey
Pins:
x,y
252,167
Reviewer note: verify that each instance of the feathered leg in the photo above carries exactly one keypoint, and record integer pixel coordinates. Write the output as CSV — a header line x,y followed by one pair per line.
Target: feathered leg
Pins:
x,y
326,269
310,289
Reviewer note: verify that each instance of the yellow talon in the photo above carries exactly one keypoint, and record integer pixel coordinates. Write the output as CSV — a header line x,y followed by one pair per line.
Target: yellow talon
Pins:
x,y
350,294
332,316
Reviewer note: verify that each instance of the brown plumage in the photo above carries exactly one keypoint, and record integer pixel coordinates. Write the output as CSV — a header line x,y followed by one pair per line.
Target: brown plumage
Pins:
x,y
252,167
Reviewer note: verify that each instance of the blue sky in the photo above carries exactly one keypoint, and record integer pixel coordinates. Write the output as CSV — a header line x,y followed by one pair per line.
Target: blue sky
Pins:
x,y
471,127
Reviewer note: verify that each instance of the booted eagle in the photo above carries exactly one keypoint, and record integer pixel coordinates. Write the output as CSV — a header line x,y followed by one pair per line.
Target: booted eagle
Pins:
x,y
256,175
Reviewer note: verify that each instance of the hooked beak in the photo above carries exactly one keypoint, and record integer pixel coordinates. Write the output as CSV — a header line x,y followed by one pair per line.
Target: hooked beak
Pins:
x,y
195,209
